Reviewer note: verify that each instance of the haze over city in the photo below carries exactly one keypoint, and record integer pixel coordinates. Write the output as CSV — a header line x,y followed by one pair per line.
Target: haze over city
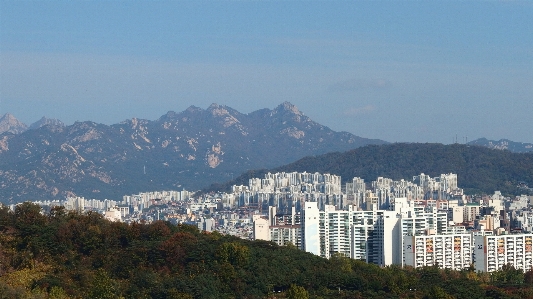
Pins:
x,y
397,71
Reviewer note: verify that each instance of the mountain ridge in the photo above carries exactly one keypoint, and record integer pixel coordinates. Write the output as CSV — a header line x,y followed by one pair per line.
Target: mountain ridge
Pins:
x,y
189,149
10,124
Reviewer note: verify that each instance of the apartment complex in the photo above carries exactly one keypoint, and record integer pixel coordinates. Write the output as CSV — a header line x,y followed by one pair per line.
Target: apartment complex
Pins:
x,y
375,236
493,252
452,251
399,222
424,222
282,229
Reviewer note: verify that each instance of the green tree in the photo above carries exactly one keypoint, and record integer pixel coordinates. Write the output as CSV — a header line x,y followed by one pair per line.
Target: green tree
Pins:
x,y
28,218
528,277
103,287
175,294
5,217
57,293
342,262
508,275
233,253
437,292
297,292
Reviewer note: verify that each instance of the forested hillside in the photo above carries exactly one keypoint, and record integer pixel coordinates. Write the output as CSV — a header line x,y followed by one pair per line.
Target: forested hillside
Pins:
x,y
69,255
479,169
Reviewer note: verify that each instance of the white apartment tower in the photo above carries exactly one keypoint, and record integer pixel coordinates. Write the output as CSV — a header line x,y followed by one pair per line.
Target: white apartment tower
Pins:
x,y
261,228
326,232
311,235
385,240
447,251
492,252
373,236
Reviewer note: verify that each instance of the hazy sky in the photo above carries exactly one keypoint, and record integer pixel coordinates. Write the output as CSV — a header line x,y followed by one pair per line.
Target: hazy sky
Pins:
x,y
417,71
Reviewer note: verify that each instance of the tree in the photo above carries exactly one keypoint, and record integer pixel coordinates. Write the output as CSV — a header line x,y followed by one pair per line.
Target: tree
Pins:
x,y
57,293
437,292
233,253
28,218
508,275
5,217
297,292
528,277
103,287
175,294
342,262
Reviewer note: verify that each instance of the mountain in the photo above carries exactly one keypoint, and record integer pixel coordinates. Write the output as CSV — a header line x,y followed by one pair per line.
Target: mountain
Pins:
x,y
8,123
190,149
46,122
479,169
504,144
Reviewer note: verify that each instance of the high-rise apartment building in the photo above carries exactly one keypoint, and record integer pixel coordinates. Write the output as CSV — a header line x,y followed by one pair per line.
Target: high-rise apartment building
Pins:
x,y
447,251
493,252
285,228
372,236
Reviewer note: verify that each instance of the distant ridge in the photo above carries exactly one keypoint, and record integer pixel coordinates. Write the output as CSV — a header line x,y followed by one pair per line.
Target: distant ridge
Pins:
x,y
189,149
504,144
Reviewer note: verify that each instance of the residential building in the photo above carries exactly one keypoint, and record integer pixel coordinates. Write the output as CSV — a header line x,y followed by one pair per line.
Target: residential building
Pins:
x,y
452,251
491,253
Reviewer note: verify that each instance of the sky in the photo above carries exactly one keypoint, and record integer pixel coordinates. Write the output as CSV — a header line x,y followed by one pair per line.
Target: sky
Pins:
x,y
400,71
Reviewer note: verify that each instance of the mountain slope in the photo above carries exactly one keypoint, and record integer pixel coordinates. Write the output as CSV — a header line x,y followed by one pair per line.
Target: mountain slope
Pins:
x,y
479,169
190,149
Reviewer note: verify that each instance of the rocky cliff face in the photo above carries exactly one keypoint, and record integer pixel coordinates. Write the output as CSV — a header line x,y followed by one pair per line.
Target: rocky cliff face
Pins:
x,y
8,123
190,149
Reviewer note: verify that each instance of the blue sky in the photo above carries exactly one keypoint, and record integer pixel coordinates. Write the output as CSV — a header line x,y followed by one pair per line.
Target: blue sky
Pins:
x,y
401,71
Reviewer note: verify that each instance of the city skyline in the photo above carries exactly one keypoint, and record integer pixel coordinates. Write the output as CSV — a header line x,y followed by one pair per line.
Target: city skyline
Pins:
x,y
396,71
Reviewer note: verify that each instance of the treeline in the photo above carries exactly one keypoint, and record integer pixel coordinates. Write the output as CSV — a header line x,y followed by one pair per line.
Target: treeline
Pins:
x,y
479,169
64,254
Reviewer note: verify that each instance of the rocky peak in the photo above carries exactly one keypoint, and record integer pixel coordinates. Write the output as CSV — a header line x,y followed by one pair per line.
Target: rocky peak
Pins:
x,y
45,122
288,107
193,109
8,123
224,114
217,110
168,117
213,106
288,112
